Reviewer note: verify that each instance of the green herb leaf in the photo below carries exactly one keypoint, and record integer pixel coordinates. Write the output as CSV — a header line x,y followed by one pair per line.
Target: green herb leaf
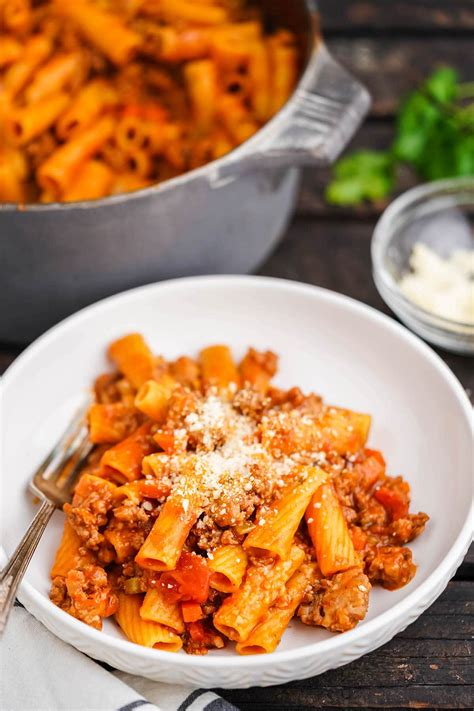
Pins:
x,y
442,85
364,175
434,135
416,118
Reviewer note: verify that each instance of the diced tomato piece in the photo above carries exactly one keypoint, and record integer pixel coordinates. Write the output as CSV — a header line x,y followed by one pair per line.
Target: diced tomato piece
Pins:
x,y
196,631
359,538
376,454
392,501
191,611
165,440
190,580
372,468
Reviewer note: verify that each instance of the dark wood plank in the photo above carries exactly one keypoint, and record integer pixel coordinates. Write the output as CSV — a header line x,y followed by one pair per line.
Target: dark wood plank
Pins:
x,y
397,16
375,135
390,67
407,696
466,569
427,665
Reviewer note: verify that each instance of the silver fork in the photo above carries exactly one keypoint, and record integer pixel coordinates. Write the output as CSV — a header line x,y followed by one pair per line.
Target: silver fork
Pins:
x,y
52,483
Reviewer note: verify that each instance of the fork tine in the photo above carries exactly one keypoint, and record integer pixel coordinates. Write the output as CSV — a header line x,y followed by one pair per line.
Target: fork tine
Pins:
x,y
53,473
65,445
83,451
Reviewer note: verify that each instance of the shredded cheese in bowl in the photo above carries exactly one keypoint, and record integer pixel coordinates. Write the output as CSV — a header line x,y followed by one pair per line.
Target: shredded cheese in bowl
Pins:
x,y
445,287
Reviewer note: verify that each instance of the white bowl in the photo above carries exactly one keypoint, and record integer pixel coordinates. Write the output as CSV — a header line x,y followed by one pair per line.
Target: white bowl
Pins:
x,y
328,343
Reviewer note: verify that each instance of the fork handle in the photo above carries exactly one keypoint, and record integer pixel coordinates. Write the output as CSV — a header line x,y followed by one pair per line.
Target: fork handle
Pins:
x,y
13,572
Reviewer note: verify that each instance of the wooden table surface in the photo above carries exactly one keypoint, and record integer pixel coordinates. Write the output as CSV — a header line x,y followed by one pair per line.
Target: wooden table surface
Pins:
x,y
391,45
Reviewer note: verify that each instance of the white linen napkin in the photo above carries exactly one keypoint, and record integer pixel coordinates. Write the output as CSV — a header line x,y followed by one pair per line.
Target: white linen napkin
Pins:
x,y
39,672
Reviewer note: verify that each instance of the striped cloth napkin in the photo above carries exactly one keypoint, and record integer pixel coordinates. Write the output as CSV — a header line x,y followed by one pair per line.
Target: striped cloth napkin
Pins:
x,y
39,672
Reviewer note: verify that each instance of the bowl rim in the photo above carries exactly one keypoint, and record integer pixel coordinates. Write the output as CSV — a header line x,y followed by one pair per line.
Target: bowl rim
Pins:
x,y
378,247
417,599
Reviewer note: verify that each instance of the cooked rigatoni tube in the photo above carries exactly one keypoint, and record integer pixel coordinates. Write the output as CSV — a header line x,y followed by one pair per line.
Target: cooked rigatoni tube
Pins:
x,y
284,71
263,584
144,632
138,161
343,431
103,29
110,423
126,182
266,636
154,395
30,121
90,484
93,181
277,527
13,171
35,51
133,358
231,44
228,565
260,80
155,465
85,107
202,88
184,45
16,15
187,372
10,50
54,76
122,544
71,553
158,608
236,118
221,144
329,532
192,12
333,430
217,367
164,543
136,133
58,171
123,462
131,491
258,368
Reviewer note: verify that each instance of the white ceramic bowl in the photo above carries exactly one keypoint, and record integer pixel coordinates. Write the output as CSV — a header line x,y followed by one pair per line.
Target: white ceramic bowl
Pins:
x,y
328,343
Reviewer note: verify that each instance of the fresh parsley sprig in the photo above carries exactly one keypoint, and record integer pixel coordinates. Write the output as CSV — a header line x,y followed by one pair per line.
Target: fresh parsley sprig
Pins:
x,y
434,135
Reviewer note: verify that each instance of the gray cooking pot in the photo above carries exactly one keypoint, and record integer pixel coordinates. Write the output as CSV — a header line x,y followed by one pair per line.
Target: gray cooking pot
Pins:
x,y
223,217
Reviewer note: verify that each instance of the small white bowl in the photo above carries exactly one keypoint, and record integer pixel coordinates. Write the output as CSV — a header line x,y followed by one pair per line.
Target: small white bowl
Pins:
x,y
441,216
328,343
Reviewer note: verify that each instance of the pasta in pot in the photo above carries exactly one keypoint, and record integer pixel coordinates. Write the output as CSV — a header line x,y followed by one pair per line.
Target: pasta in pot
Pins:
x,y
128,94
217,507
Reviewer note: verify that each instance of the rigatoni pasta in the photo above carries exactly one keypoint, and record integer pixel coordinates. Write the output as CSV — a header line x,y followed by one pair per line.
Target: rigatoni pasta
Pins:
x,y
216,507
179,83
265,636
144,632
227,565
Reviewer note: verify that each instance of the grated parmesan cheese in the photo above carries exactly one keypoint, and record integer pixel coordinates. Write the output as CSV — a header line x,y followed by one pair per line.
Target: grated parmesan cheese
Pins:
x,y
233,472
445,287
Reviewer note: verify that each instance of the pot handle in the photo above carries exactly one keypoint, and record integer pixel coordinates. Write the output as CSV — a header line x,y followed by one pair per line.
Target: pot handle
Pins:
x,y
313,128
